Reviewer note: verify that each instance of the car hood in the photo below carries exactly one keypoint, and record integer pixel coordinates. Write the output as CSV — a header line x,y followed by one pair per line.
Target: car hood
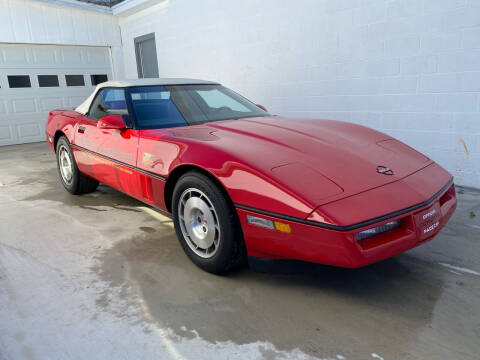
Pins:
x,y
320,160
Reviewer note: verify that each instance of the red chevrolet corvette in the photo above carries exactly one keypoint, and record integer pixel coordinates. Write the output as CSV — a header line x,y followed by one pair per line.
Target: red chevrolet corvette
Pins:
x,y
240,182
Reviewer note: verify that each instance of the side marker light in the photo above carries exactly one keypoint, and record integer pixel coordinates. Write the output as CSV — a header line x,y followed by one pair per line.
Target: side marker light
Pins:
x,y
269,224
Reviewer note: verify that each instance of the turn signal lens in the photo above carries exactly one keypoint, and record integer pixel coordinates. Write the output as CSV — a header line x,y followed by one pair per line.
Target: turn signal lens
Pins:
x,y
377,230
282,227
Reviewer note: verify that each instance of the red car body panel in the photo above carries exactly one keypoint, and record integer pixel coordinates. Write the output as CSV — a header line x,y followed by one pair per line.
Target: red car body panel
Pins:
x,y
328,246
318,176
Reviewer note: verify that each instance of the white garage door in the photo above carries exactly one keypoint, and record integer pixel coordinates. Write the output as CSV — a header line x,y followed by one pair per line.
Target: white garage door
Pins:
x,y
35,79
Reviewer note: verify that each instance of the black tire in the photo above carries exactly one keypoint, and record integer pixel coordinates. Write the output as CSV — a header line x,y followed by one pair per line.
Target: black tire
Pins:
x,y
79,183
230,251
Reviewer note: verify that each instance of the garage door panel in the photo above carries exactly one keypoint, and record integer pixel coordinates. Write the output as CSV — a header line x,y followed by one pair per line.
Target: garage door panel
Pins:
x,y
6,137
28,132
26,118
26,105
44,56
27,128
98,58
74,101
15,55
47,104
72,56
23,111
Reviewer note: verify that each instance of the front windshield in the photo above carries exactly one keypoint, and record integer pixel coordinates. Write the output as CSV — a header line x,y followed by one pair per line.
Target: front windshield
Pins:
x,y
156,107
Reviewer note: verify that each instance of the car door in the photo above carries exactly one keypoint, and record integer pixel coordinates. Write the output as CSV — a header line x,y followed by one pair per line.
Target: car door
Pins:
x,y
154,154
108,155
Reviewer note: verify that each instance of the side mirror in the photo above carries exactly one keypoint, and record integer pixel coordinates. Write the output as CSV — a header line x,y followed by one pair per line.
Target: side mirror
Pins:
x,y
262,107
111,122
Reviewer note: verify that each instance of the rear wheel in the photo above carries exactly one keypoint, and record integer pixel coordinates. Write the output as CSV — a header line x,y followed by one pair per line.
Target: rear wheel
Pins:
x,y
206,224
72,179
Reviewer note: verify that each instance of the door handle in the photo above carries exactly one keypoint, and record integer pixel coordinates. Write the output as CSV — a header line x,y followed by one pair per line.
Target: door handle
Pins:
x,y
81,129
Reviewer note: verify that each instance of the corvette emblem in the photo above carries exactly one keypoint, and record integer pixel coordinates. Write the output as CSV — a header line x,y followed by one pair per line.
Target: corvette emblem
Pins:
x,y
384,170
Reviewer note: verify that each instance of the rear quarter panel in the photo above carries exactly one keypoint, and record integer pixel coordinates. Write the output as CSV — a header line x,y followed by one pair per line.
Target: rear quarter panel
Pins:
x,y
64,121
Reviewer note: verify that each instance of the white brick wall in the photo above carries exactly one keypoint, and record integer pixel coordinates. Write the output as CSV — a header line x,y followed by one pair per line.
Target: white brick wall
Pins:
x,y
410,68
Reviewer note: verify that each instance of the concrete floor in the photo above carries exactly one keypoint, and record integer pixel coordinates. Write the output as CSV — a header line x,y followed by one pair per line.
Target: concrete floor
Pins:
x,y
103,276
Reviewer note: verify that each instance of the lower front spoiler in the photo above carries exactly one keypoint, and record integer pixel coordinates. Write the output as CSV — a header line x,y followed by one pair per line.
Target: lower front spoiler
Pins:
x,y
315,244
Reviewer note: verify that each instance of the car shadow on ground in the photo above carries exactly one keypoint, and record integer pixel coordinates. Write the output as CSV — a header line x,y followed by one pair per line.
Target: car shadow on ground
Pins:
x,y
265,305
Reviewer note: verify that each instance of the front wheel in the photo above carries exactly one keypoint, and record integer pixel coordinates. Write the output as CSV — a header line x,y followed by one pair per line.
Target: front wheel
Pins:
x,y
72,179
206,224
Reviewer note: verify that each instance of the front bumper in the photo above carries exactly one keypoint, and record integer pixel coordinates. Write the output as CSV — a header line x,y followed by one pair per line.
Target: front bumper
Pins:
x,y
312,243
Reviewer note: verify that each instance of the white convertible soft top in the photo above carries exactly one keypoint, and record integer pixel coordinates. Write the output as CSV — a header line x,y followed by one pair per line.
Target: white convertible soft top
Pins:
x,y
85,106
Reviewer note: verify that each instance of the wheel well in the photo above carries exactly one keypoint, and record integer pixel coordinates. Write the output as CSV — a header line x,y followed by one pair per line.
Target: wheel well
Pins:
x,y
57,136
178,172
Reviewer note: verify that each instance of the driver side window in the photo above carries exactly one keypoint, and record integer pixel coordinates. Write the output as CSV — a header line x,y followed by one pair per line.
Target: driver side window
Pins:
x,y
108,102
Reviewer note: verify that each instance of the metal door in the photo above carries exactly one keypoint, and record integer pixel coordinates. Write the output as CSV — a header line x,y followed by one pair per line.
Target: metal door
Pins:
x,y
146,53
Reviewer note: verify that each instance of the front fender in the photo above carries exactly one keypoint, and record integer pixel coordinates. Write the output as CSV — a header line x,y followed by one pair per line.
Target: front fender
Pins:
x,y
246,185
